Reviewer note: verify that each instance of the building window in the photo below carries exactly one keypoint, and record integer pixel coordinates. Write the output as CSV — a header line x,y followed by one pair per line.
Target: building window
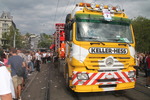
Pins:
x,y
5,25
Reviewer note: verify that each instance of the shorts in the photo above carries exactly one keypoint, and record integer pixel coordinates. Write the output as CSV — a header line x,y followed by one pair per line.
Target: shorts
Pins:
x,y
17,81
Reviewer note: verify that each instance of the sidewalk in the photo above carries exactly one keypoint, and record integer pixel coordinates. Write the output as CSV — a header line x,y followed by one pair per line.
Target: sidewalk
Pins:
x,y
29,80
36,85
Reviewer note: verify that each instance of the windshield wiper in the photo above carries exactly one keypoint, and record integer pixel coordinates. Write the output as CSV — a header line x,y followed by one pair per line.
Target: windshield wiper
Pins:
x,y
101,42
97,43
122,41
126,43
94,41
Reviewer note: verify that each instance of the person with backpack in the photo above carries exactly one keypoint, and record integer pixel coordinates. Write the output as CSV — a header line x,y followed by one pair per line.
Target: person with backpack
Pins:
x,y
16,63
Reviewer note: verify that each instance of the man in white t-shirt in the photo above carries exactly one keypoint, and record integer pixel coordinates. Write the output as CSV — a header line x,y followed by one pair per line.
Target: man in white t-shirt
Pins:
x,y
6,84
44,57
37,60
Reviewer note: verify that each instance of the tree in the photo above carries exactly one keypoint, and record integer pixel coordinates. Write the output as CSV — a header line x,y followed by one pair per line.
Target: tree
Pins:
x,y
141,26
27,41
12,38
45,41
5,40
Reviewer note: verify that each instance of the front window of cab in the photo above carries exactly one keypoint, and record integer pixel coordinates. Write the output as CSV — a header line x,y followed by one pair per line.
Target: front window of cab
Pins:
x,y
103,31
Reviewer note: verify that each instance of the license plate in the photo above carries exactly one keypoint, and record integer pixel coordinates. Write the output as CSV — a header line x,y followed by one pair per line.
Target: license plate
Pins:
x,y
109,76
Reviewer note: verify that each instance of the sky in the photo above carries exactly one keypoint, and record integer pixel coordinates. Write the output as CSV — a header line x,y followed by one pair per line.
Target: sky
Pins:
x,y
40,16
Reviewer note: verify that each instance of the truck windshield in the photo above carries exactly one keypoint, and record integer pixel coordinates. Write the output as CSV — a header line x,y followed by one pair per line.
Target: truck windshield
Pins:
x,y
103,31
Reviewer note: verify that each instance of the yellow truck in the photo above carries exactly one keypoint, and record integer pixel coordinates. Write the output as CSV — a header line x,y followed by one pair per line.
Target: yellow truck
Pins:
x,y
100,49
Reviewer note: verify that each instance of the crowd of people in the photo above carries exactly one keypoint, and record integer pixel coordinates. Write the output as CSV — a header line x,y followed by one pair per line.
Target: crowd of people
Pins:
x,y
143,64
15,67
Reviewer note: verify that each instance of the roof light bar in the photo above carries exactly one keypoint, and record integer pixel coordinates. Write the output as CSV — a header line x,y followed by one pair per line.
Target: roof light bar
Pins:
x,y
92,6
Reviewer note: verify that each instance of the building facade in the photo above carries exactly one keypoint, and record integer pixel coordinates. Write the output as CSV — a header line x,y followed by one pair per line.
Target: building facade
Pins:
x,y
34,40
6,20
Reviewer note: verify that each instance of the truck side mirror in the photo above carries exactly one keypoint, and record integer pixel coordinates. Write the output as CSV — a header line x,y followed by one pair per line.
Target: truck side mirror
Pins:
x,y
68,31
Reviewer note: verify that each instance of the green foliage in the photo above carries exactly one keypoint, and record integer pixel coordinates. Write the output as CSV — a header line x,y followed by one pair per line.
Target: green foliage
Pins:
x,y
45,41
141,26
9,38
27,41
23,41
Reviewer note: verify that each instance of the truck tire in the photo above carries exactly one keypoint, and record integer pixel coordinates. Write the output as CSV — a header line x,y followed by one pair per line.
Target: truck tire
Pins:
x,y
68,17
61,66
67,77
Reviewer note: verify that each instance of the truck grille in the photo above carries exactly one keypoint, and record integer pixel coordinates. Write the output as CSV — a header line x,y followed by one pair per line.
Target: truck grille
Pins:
x,y
95,62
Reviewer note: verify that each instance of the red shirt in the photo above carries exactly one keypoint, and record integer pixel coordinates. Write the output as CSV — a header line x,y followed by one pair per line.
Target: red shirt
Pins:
x,y
148,62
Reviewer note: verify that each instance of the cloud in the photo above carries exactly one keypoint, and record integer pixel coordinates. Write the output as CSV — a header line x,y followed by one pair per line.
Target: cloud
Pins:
x,y
36,16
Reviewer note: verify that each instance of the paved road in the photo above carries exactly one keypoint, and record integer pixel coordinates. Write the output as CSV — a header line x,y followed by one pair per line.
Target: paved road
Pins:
x,y
49,84
36,85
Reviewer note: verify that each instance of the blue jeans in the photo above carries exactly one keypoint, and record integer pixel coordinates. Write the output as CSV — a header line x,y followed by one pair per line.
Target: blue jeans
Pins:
x,y
30,64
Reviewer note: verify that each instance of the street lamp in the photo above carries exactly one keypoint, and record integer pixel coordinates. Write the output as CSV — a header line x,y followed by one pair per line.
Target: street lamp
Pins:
x,y
14,42
14,39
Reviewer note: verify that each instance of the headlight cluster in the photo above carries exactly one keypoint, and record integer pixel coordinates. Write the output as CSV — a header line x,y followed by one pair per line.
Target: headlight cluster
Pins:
x,y
131,74
82,76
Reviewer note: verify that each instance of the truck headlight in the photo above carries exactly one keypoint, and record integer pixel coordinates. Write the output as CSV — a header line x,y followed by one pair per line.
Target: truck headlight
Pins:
x,y
93,5
82,76
101,6
110,7
118,8
131,74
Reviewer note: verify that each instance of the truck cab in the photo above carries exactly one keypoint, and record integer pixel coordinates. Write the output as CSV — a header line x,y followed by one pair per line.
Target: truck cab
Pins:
x,y
99,49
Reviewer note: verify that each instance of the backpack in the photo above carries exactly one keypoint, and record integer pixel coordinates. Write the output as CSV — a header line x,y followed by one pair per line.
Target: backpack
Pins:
x,y
20,71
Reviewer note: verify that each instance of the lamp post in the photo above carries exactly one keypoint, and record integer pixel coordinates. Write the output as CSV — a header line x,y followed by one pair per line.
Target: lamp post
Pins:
x,y
14,42
14,30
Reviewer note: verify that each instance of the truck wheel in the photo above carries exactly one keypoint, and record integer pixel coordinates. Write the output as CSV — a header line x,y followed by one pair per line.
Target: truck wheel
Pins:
x,y
61,66
67,78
